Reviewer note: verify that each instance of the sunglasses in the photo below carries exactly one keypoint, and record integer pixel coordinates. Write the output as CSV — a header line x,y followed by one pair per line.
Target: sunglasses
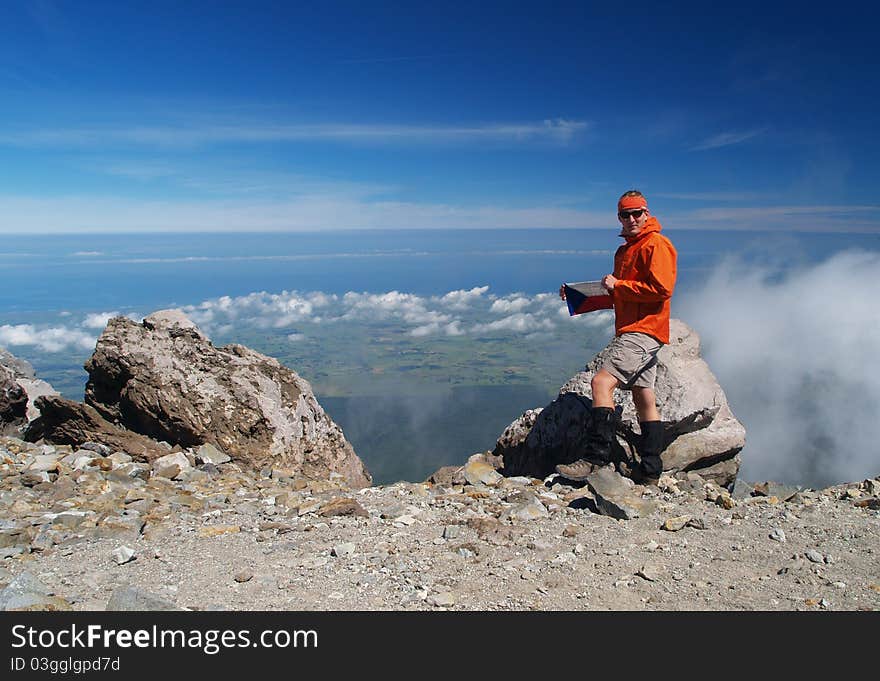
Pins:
x,y
623,215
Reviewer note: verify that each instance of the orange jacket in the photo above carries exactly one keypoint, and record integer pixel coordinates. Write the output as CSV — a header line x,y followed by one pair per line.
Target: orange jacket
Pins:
x,y
645,267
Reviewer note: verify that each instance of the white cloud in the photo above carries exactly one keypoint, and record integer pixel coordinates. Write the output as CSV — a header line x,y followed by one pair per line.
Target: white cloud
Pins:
x,y
426,330
510,304
455,313
52,339
559,130
98,320
461,299
260,308
519,323
794,356
726,139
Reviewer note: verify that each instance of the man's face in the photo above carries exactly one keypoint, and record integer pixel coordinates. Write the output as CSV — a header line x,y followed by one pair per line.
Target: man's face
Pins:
x,y
633,221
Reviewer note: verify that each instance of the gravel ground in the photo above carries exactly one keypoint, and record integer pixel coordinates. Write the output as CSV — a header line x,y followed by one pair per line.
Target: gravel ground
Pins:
x,y
235,541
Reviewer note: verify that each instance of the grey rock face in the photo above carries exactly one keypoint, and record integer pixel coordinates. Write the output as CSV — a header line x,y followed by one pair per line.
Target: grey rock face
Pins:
x,y
17,377
166,380
26,592
700,431
66,422
13,403
129,598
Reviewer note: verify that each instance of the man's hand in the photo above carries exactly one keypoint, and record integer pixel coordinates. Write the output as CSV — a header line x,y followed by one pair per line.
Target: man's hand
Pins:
x,y
562,291
609,281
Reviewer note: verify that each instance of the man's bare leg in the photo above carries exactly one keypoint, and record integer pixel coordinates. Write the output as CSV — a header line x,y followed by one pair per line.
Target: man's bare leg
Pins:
x,y
603,385
646,404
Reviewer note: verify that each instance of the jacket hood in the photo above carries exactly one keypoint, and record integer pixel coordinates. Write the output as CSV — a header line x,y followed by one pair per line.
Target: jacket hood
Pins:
x,y
652,225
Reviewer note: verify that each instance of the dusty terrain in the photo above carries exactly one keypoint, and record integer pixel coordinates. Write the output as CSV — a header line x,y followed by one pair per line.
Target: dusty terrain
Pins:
x,y
222,538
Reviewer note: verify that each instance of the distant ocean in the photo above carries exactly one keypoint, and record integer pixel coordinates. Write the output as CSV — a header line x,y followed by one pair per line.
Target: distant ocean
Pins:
x,y
150,271
45,278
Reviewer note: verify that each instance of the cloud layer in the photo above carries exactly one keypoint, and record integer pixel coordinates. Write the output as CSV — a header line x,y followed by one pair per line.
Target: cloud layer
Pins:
x,y
795,354
473,312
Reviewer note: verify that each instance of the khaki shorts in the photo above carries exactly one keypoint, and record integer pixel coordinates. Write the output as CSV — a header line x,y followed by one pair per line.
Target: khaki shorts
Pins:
x,y
632,359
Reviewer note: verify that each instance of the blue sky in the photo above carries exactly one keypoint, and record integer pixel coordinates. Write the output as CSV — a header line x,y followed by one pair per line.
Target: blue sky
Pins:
x,y
190,116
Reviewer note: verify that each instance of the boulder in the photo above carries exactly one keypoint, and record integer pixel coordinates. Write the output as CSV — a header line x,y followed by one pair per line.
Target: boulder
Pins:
x,y
13,403
14,370
66,422
700,431
164,379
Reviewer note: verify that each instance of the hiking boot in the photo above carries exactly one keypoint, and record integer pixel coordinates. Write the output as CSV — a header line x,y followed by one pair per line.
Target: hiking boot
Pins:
x,y
578,471
651,465
597,447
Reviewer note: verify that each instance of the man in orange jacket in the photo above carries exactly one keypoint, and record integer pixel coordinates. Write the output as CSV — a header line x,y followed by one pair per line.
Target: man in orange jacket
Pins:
x,y
640,289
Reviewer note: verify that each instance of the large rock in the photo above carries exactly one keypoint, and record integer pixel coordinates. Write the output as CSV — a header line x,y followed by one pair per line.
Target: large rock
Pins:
x,y
19,390
700,431
13,403
166,380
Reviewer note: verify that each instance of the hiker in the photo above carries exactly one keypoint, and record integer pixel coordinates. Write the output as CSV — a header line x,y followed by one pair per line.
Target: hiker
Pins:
x,y
641,289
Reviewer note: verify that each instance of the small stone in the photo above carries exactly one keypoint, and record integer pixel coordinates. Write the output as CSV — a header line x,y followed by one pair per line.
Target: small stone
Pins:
x,y
570,531
648,573
44,463
777,534
443,599
530,510
122,555
308,507
97,447
217,530
814,556
244,576
452,531
208,453
725,501
481,473
170,465
676,523
314,562
343,506
344,549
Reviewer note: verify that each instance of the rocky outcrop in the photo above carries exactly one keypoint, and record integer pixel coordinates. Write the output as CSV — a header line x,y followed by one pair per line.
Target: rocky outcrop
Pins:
x,y
19,390
700,431
13,403
66,422
164,379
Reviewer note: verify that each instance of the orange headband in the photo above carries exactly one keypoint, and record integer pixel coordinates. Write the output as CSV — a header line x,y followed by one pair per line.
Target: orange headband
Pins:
x,y
631,203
